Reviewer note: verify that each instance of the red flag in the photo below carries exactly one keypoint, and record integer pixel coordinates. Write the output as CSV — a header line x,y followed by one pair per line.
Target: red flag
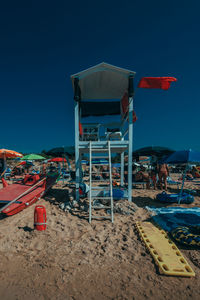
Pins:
x,y
156,82
124,107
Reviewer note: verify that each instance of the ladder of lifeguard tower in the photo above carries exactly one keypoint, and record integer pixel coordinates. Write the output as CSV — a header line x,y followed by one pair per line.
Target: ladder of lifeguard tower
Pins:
x,y
100,189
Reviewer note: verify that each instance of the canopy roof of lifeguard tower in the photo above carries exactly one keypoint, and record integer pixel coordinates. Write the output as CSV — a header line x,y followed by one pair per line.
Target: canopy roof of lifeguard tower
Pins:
x,y
103,81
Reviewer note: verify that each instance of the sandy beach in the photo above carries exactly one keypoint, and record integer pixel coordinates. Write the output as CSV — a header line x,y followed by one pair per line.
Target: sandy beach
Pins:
x,y
75,260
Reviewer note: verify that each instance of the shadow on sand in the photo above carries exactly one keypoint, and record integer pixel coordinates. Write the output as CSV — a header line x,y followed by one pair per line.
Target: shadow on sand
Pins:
x,y
56,196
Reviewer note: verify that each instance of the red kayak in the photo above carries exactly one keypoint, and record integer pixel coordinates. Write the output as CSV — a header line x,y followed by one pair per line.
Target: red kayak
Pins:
x,y
18,196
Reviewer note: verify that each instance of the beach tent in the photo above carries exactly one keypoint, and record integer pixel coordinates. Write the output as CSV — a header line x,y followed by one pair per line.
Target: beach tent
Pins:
x,y
185,157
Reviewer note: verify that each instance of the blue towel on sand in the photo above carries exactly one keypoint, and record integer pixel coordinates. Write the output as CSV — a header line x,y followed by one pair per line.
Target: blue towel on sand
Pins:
x,y
172,217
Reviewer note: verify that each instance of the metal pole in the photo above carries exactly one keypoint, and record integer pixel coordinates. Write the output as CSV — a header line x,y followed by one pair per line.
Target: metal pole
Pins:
x,y
80,167
130,148
63,165
90,191
122,156
77,164
5,164
183,181
122,170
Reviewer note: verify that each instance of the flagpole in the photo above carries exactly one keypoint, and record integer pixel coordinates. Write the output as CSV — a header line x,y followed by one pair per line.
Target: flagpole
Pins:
x,y
63,164
5,163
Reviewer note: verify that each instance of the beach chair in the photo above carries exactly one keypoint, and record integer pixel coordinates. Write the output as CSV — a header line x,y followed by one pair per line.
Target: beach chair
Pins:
x,y
113,134
142,183
7,173
171,182
112,131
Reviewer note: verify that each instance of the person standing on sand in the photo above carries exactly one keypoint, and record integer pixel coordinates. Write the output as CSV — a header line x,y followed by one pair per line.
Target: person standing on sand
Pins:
x,y
153,175
1,165
163,172
154,171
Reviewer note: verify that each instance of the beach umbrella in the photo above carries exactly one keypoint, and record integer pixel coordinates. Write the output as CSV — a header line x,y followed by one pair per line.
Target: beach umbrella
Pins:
x,y
57,159
153,150
22,163
33,157
5,153
185,157
25,163
59,151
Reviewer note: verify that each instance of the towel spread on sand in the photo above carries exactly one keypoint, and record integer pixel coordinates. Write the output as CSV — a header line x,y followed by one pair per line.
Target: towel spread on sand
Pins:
x,y
170,218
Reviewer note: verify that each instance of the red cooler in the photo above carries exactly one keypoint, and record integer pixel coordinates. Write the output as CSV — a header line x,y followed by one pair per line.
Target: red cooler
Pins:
x,y
40,218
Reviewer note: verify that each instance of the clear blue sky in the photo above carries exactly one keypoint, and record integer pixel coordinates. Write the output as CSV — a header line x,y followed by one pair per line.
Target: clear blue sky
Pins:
x,y
43,42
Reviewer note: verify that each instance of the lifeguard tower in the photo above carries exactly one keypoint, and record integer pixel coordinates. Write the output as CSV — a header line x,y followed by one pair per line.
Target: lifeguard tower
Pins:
x,y
102,90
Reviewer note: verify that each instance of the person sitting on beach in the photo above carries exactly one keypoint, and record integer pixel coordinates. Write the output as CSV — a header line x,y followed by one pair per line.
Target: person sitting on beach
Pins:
x,y
115,174
195,172
96,173
1,165
52,168
43,168
17,170
189,175
142,176
163,172
27,167
104,172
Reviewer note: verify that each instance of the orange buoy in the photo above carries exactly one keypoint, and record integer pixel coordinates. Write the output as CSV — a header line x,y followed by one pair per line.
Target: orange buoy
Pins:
x,y
40,218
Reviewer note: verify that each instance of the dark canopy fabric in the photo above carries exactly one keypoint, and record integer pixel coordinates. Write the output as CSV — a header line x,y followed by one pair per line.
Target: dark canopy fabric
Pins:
x,y
59,151
153,150
100,108
184,156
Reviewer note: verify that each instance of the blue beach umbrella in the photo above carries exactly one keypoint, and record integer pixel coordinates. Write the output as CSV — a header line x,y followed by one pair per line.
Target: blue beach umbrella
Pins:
x,y
183,157
153,150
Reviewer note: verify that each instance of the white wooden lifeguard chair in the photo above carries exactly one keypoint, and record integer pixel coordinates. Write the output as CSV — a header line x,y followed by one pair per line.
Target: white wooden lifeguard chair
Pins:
x,y
99,91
